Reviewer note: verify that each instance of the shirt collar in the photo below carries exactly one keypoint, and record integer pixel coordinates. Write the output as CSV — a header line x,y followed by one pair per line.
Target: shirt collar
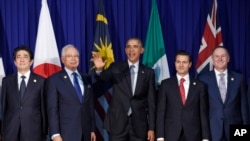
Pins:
x,y
217,72
27,74
69,72
135,64
186,77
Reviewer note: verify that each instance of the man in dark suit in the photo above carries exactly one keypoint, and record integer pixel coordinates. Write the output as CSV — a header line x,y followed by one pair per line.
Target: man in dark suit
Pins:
x,y
23,112
70,104
131,114
182,112
227,96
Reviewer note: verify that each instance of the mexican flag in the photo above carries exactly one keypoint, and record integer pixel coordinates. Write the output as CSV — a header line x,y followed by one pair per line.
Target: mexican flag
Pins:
x,y
154,53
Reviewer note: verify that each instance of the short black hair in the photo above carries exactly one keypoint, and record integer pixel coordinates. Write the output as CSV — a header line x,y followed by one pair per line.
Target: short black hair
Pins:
x,y
134,38
183,52
25,48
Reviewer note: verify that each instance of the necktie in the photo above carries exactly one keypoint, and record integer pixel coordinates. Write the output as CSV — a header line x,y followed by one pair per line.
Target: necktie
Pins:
x,y
182,91
77,87
132,75
22,86
222,87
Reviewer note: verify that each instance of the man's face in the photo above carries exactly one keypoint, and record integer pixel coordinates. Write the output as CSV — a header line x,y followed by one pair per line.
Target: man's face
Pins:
x,y
23,61
220,59
133,50
70,58
182,64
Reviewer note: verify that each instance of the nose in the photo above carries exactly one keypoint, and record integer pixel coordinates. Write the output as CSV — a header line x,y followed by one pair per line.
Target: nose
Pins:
x,y
220,58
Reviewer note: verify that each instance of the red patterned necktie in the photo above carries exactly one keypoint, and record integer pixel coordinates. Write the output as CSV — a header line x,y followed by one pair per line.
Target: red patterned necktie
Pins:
x,y
182,91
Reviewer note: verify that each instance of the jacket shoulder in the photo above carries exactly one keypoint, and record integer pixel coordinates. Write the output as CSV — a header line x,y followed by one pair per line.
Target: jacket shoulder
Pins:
x,y
37,76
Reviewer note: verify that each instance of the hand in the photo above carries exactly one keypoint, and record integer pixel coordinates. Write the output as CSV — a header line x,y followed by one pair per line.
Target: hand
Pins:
x,y
57,138
97,60
93,136
151,135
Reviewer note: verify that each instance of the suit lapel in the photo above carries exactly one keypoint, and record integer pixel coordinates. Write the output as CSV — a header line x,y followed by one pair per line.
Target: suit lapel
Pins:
x,y
128,78
176,90
85,86
140,78
230,82
192,87
68,84
29,86
16,87
214,86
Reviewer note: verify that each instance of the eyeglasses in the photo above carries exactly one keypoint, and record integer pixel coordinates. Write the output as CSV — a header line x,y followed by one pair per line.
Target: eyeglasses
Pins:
x,y
71,56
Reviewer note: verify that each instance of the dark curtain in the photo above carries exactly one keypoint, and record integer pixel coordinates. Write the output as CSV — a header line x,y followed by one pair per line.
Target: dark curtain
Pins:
x,y
74,22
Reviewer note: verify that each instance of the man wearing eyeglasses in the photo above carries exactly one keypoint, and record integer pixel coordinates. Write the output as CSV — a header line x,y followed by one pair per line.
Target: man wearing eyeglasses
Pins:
x,y
70,104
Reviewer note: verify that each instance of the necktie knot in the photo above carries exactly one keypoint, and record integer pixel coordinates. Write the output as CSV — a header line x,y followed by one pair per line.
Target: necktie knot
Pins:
x,y
23,77
132,67
182,80
75,74
222,75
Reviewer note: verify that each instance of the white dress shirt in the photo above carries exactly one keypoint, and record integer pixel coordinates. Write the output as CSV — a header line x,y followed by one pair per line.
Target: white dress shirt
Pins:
x,y
26,79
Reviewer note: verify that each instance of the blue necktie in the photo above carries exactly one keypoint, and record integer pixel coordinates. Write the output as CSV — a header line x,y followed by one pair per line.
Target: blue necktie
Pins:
x,y
77,87
22,86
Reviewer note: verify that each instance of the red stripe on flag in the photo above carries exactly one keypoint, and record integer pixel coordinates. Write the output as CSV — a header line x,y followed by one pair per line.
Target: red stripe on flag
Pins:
x,y
108,97
99,136
99,109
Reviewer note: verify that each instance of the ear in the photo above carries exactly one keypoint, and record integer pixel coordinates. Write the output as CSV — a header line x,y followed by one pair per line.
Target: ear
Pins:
x,y
142,50
15,62
62,59
31,62
190,64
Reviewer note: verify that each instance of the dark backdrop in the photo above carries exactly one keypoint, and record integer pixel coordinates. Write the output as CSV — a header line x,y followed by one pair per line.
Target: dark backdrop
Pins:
x,y
74,22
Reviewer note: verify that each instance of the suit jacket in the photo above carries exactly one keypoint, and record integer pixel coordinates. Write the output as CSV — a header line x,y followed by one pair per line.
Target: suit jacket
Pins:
x,y
142,103
173,116
67,116
26,113
233,111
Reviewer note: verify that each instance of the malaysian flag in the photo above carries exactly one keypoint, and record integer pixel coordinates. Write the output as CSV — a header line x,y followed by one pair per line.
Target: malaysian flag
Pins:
x,y
212,38
102,45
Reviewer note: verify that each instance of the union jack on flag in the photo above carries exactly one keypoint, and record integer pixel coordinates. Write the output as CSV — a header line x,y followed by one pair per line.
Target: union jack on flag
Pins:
x,y
212,37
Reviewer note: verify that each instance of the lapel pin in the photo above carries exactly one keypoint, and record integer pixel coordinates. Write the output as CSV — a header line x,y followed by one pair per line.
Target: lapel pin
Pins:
x,y
232,79
194,83
34,80
65,77
142,71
